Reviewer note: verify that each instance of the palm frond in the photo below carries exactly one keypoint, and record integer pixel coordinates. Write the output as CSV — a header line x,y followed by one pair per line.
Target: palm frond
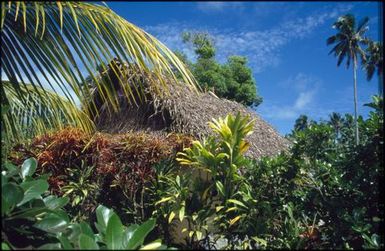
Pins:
x,y
362,25
331,40
60,44
37,115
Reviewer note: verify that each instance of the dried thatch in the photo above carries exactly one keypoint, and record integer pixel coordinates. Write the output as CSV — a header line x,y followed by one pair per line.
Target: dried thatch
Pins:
x,y
186,111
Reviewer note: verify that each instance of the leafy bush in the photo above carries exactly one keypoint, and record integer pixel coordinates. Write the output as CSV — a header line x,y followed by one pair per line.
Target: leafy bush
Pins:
x,y
122,168
33,220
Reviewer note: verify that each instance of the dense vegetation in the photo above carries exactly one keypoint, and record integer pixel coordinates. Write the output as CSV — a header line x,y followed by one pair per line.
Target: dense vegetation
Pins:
x,y
73,188
322,193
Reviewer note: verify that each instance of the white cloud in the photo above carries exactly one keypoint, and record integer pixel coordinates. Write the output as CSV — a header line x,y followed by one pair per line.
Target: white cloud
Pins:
x,y
304,99
218,6
305,88
262,47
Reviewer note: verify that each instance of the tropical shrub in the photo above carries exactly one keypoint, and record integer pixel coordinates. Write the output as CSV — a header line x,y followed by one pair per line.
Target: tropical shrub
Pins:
x,y
30,217
120,168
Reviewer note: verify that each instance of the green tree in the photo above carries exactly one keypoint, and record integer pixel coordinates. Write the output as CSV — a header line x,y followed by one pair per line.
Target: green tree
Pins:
x,y
348,40
232,80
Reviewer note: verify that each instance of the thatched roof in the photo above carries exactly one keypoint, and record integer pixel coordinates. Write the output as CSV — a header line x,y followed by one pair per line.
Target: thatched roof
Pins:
x,y
187,111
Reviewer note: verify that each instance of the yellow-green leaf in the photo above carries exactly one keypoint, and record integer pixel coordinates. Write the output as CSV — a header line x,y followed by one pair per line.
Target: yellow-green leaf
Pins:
x,y
171,216
181,213
231,209
234,220
218,208
237,202
163,200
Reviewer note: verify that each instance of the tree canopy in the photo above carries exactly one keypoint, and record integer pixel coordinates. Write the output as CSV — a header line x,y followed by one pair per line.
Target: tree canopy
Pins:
x,y
232,80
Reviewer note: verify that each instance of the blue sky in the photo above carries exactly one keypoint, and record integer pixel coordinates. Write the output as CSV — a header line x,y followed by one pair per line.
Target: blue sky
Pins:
x,y
285,43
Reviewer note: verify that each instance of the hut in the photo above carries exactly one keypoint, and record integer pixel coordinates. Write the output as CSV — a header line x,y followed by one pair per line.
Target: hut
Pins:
x,y
179,108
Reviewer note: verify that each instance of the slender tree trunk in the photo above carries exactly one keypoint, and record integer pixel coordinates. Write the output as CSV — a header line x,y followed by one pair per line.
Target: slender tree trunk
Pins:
x,y
355,98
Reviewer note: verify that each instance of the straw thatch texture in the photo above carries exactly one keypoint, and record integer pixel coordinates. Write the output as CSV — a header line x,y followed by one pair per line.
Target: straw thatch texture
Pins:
x,y
187,111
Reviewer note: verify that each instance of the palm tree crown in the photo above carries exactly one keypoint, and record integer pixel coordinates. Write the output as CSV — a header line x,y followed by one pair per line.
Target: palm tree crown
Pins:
x,y
348,39
374,59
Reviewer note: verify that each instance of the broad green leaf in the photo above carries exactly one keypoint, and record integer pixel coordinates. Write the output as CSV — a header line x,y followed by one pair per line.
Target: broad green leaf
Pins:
x,y
74,233
36,203
87,243
33,189
52,223
52,202
139,234
114,232
30,212
11,194
65,242
103,215
28,168
128,234
86,229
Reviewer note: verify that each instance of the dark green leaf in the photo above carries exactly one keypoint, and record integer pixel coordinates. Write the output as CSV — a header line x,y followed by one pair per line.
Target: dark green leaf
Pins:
x,y
86,229
103,215
140,234
52,223
33,189
30,212
128,234
114,233
88,243
52,202
28,168
65,242
11,194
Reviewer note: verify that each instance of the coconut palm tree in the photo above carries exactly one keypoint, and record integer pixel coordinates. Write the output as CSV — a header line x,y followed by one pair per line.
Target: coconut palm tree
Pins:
x,y
336,121
348,40
374,62
301,123
50,48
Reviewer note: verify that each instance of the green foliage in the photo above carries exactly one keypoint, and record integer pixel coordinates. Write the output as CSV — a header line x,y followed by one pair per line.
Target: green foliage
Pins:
x,y
322,193
232,80
31,218
374,59
221,157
